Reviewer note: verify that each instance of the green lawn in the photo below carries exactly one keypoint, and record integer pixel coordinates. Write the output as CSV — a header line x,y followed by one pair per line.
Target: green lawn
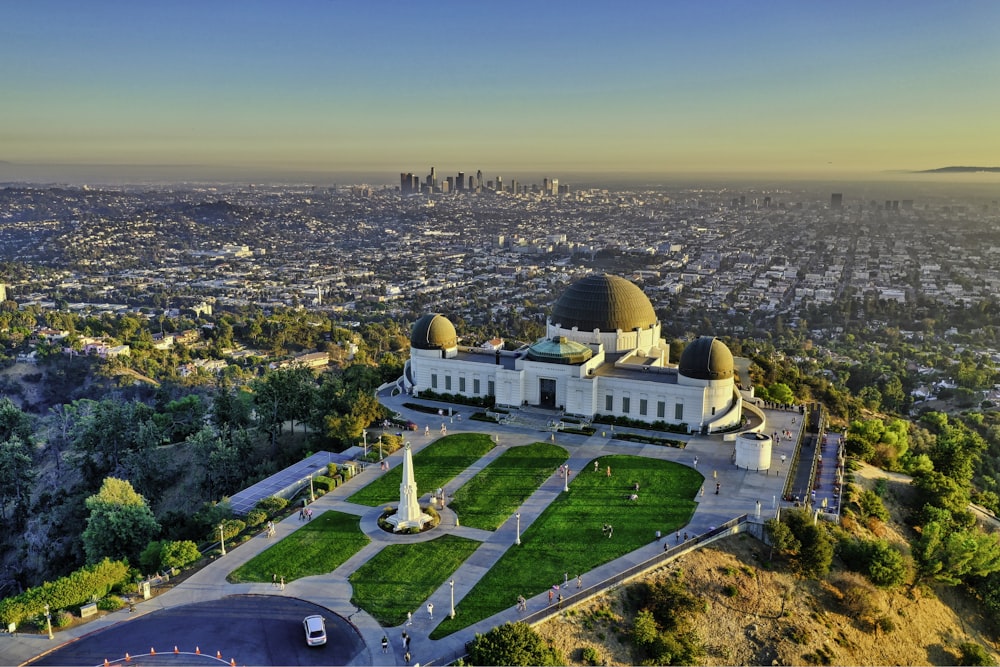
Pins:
x,y
567,537
318,547
433,467
492,496
402,576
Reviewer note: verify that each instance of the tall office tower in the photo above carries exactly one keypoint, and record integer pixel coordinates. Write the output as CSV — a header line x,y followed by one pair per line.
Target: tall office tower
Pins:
x,y
414,184
837,200
460,181
555,186
499,183
433,179
472,184
907,204
767,202
404,183
888,204
450,181
545,186
479,180
513,186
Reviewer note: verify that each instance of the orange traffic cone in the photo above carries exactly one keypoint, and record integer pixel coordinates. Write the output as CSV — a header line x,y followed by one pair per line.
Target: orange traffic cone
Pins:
x,y
152,651
175,649
106,663
218,655
232,662
128,658
197,650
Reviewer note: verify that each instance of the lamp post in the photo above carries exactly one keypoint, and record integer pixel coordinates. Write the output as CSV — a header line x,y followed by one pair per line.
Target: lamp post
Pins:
x,y
222,540
379,446
517,515
364,435
452,584
48,621
312,494
565,478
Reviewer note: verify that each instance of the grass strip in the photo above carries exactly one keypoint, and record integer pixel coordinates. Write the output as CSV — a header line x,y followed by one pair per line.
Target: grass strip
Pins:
x,y
318,547
433,467
567,538
489,499
401,577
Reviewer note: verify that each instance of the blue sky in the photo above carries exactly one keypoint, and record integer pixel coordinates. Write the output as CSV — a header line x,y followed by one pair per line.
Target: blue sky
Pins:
x,y
644,87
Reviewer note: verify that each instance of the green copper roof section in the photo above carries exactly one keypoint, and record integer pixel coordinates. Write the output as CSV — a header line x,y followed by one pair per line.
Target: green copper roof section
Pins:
x,y
559,350
604,302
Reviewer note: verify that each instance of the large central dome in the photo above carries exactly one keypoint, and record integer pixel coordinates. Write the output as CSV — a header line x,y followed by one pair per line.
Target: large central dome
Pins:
x,y
603,302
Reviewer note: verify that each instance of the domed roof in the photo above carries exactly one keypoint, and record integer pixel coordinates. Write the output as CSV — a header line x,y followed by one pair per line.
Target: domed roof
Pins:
x,y
559,350
707,358
433,332
603,302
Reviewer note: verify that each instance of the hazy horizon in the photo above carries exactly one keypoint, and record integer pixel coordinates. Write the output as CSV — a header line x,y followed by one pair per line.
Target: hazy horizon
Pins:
x,y
808,90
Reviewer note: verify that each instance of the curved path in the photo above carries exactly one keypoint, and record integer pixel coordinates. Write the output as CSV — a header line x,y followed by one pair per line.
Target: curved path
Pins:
x,y
740,492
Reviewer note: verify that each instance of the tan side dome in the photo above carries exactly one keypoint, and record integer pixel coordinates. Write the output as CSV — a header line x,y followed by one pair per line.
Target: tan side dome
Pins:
x,y
603,302
707,358
433,332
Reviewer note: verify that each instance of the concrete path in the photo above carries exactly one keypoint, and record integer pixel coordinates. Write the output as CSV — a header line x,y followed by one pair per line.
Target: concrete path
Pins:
x,y
740,492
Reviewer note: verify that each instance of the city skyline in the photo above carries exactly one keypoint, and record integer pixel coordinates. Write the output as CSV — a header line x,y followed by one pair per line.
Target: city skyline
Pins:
x,y
188,90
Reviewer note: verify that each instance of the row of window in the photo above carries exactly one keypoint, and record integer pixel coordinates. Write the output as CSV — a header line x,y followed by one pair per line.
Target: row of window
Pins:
x,y
476,386
661,407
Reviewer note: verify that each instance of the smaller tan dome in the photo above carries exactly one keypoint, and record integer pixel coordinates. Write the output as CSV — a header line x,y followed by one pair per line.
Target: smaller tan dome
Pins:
x,y
433,332
707,358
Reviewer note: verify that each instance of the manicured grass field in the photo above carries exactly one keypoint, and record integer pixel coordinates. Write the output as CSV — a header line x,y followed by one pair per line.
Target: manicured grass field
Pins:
x,y
318,547
567,537
492,496
433,467
401,577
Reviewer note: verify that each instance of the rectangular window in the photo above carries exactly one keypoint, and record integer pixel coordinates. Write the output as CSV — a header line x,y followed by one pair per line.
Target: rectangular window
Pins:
x,y
609,403
475,386
679,411
661,409
447,383
461,385
642,407
434,381
491,388
626,404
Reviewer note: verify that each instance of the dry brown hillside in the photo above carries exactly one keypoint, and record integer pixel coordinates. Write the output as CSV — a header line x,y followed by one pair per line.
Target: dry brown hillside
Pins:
x,y
776,618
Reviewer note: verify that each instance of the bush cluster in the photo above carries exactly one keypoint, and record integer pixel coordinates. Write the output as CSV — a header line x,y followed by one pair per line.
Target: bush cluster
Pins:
x,y
79,587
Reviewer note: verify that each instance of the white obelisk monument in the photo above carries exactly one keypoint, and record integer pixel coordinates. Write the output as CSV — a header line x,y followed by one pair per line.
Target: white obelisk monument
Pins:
x,y
408,515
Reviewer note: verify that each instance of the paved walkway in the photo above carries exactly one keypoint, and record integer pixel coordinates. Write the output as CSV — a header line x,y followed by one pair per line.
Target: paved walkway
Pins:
x,y
740,492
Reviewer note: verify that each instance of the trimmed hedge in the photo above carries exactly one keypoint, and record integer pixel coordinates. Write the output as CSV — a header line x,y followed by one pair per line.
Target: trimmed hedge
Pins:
x,y
79,587
271,504
255,517
324,483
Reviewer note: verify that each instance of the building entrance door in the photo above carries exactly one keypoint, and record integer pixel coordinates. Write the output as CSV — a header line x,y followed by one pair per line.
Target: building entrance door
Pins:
x,y
546,392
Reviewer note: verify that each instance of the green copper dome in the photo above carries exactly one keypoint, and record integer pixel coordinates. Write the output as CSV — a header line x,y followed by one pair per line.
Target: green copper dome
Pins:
x,y
603,302
707,358
433,332
559,350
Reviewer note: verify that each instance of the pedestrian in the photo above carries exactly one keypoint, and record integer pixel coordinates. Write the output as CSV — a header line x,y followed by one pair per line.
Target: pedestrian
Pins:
x,y
409,618
430,610
717,486
678,537
658,535
609,471
274,580
282,583
559,603
406,642
565,578
685,537
611,529
702,489
596,466
696,462
309,514
385,644
551,595
406,657
302,514
579,581
666,546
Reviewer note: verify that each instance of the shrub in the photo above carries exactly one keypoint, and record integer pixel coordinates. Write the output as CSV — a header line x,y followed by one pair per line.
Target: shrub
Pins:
x,y
110,603
974,654
62,619
178,554
255,517
590,656
230,529
324,483
149,559
271,504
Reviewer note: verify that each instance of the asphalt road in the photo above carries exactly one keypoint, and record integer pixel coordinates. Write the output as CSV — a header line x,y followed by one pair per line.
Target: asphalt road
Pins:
x,y
250,629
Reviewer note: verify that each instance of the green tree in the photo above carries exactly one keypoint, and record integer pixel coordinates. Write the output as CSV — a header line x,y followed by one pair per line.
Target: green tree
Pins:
x,y
512,644
781,393
780,537
17,474
120,523
949,556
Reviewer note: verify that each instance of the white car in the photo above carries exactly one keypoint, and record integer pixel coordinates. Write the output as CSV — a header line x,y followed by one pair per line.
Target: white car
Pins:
x,y
315,627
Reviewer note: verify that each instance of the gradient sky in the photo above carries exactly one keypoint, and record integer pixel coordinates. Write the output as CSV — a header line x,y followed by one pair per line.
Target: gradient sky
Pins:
x,y
645,87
